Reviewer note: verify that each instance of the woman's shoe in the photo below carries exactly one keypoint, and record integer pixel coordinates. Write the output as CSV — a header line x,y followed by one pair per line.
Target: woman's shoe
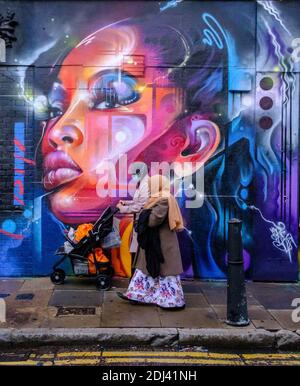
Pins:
x,y
124,297
173,308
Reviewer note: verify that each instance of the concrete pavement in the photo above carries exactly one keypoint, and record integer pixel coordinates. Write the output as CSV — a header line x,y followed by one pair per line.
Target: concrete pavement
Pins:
x,y
37,311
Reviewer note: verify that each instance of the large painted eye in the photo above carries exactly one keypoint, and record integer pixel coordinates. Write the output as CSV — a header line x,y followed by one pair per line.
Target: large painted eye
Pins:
x,y
113,88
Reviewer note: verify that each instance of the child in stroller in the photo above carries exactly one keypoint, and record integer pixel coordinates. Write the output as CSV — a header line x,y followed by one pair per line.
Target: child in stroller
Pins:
x,y
86,255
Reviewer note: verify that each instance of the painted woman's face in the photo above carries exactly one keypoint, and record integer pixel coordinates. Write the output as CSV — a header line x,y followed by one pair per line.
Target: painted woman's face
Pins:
x,y
108,103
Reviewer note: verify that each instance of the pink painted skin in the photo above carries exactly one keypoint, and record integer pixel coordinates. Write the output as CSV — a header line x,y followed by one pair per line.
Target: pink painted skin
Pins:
x,y
59,168
77,144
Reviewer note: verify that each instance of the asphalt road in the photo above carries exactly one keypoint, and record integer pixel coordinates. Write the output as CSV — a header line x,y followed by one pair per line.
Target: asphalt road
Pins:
x,y
97,356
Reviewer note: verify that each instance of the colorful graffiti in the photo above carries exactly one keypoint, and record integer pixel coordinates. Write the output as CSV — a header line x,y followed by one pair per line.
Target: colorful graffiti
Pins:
x,y
171,82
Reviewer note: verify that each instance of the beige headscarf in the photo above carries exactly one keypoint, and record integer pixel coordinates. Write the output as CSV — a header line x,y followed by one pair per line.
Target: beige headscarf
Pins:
x,y
159,188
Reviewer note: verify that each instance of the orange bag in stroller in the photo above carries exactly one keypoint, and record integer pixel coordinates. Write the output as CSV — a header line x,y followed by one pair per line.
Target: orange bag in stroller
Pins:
x,y
81,231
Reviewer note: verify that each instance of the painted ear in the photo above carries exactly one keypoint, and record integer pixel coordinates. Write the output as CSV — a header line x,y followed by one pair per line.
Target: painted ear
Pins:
x,y
202,139
186,145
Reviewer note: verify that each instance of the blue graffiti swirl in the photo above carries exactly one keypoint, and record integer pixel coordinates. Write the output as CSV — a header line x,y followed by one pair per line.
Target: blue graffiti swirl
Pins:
x,y
211,34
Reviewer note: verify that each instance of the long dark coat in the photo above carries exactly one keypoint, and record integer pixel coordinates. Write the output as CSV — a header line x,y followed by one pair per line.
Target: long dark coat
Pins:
x,y
172,265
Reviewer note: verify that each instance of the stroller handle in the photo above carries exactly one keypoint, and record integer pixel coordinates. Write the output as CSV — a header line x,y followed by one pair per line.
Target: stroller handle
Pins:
x,y
70,241
109,212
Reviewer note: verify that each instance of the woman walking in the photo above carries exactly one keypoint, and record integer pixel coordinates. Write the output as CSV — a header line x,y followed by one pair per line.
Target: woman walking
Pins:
x,y
156,279
135,205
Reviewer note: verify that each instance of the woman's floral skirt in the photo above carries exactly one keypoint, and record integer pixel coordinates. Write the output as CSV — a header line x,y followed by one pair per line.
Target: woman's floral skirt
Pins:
x,y
163,291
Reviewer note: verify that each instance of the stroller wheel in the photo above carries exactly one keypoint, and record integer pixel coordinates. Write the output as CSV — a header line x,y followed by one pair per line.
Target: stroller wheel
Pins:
x,y
103,282
58,276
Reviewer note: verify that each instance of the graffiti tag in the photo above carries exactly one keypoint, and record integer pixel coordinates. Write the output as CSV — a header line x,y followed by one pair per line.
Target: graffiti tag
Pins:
x,y
282,239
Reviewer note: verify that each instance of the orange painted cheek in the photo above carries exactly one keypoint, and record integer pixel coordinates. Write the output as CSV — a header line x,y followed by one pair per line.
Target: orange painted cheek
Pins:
x,y
95,145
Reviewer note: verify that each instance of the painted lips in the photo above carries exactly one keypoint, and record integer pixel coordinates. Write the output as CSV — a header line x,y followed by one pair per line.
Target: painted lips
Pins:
x,y
59,168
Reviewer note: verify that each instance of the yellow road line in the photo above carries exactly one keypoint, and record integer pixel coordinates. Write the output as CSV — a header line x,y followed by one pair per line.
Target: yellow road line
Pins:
x,y
25,363
79,354
182,357
175,360
76,362
182,354
273,363
46,356
270,356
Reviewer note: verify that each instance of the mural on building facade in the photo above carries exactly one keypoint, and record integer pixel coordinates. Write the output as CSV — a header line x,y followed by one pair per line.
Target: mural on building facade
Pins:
x,y
169,82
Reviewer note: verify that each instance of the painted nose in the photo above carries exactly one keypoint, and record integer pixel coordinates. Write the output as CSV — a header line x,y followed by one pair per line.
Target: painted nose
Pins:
x,y
68,135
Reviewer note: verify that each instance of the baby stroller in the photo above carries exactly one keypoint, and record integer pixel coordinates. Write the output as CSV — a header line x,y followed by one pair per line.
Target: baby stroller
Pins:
x,y
80,251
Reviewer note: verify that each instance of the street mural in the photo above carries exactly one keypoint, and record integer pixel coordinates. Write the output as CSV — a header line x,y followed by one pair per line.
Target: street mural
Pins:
x,y
212,84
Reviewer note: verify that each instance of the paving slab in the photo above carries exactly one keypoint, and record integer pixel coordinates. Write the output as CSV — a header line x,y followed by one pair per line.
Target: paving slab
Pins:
x,y
220,310
221,284
84,283
39,283
10,285
267,324
72,321
119,313
195,300
77,283
251,299
119,283
189,287
19,318
254,312
259,313
28,316
215,295
284,318
296,288
273,295
189,318
76,298
40,299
